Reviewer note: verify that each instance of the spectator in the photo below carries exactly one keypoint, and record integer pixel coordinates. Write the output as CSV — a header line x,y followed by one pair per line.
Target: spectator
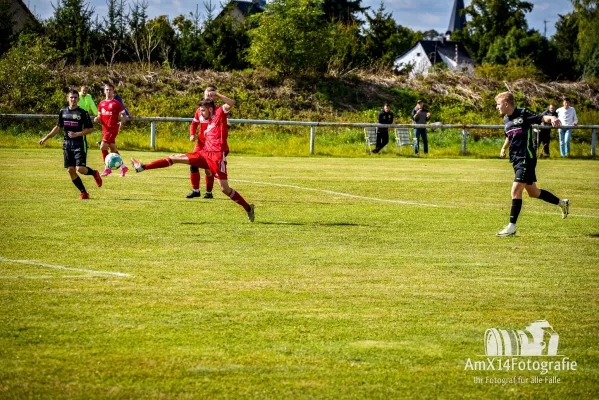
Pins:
x,y
567,117
87,102
382,134
420,115
545,133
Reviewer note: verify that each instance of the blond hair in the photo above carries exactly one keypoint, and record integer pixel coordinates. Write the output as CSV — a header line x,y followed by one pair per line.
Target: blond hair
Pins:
x,y
508,97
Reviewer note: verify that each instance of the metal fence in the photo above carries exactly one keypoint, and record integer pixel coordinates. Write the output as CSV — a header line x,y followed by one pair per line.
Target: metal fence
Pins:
x,y
314,125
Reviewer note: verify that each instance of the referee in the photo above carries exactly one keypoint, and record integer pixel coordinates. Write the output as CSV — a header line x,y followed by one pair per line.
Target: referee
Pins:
x,y
76,124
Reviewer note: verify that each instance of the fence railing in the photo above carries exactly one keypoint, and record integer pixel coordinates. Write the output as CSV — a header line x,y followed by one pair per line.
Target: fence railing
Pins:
x,y
314,125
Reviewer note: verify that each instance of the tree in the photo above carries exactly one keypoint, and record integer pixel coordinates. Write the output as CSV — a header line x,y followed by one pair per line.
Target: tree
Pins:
x,y
347,46
384,39
588,36
226,42
71,29
290,37
190,44
565,41
490,20
7,24
343,10
114,30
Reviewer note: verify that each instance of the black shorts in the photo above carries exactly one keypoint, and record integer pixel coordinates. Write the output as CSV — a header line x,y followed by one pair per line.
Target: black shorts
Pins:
x,y
525,171
74,156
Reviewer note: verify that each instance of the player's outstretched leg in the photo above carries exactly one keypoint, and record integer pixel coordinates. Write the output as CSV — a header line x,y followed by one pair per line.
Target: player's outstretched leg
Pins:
x,y
237,198
563,204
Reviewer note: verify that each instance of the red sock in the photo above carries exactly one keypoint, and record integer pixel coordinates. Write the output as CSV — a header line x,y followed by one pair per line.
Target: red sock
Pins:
x,y
194,177
236,197
104,154
165,162
209,182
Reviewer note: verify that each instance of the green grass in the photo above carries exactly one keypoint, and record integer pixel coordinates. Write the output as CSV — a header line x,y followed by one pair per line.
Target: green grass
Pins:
x,y
323,296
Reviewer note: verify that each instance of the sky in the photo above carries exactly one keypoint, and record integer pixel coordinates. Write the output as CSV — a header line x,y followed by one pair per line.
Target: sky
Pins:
x,y
419,15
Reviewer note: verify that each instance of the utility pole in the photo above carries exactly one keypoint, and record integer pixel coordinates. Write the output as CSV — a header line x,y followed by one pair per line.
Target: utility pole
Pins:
x,y
545,30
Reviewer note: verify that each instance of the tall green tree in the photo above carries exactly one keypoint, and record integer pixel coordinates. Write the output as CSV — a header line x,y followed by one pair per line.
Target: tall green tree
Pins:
x,y
290,37
565,42
190,44
7,24
588,36
226,41
72,29
385,40
489,21
347,48
345,11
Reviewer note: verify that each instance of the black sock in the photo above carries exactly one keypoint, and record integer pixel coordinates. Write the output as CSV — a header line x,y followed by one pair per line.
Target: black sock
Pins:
x,y
516,207
90,171
548,197
77,182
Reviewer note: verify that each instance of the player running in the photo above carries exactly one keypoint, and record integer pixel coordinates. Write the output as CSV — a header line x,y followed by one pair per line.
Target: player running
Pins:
x,y
110,111
76,124
523,157
213,155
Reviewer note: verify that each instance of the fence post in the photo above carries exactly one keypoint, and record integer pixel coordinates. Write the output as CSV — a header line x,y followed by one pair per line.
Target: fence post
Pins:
x,y
464,136
153,135
593,142
312,135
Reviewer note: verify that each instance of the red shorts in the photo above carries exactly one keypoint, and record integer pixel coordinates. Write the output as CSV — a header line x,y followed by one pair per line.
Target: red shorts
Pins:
x,y
109,137
215,161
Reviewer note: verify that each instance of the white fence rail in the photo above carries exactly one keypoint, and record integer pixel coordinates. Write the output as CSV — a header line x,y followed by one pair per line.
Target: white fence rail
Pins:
x,y
314,125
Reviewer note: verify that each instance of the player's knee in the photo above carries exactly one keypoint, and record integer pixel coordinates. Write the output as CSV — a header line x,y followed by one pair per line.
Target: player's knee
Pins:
x,y
81,169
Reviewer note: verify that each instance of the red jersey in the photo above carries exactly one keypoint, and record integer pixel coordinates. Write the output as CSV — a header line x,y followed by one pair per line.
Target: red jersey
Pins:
x,y
109,111
217,131
198,119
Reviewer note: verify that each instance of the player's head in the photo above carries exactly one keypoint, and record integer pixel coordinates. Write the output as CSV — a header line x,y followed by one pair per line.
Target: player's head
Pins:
x,y
73,98
386,107
208,92
552,107
109,91
207,108
419,104
566,102
84,90
506,103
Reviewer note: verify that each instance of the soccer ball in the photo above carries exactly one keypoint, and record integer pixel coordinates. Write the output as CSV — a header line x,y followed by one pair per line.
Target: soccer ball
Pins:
x,y
113,161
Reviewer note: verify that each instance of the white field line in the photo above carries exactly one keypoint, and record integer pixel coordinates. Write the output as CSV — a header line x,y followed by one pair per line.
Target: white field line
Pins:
x,y
89,271
404,202
47,277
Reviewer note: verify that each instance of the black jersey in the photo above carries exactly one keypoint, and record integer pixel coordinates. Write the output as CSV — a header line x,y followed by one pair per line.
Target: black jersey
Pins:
x,y
519,132
74,121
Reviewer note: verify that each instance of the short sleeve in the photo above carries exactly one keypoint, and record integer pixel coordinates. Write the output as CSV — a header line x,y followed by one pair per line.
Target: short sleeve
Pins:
x,y
87,121
60,120
532,118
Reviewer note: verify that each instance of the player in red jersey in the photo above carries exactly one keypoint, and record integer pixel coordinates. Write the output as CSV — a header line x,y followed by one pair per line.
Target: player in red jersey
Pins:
x,y
213,155
194,172
110,111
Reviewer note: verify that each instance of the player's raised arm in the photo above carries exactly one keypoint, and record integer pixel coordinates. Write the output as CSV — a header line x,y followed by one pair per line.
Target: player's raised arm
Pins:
x,y
228,102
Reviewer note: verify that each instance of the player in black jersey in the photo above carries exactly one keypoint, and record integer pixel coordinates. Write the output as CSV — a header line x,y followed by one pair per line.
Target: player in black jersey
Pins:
x,y
76,124
523,157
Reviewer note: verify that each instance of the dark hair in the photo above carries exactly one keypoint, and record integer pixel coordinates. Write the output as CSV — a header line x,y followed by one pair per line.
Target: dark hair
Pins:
x,y
73,91
108,85
211,87
386,105
566,99
419,101
207,103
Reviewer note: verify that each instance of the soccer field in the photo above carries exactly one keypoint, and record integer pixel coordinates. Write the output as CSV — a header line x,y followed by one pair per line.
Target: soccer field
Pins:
x,y
360,278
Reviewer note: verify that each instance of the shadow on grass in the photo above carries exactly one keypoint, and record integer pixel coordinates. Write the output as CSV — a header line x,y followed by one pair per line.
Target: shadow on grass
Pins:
x,y
593,235
311,223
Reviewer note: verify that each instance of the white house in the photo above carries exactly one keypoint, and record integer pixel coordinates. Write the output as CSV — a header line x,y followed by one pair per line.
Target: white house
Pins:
x,y
427,53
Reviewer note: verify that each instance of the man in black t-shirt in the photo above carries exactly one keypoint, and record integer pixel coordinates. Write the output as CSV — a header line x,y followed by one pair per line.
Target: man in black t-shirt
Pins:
x,y
545,133
76,124
382,134
518,133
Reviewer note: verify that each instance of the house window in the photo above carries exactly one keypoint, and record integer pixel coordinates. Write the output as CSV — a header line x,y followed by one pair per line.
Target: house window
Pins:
x,y
417,54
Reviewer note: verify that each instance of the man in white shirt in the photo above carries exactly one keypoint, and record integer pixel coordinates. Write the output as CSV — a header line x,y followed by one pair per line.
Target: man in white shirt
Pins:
x,y
567,116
